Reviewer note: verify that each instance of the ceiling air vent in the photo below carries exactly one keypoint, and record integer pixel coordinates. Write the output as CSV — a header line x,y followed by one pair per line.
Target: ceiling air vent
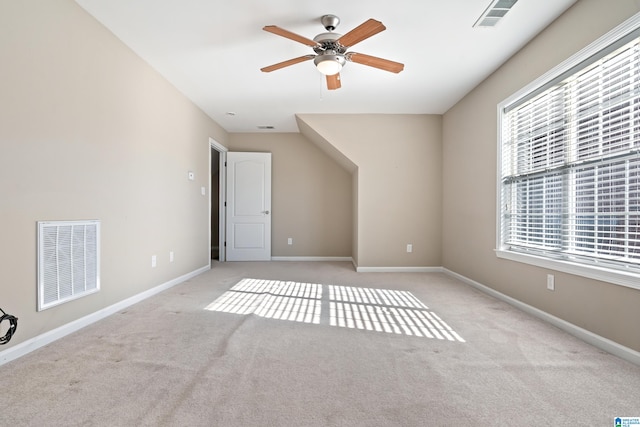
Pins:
x,y
494,13
263,127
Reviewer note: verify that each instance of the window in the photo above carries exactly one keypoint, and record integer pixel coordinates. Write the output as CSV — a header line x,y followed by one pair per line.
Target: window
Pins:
x,y
569,179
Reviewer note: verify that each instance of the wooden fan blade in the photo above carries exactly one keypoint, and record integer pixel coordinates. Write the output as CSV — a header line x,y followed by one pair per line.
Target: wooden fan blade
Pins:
x,y
372,61
333,82
286,63
291,36
361,32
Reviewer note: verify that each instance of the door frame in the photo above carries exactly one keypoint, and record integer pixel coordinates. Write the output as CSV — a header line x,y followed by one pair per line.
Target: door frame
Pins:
x,y
222,191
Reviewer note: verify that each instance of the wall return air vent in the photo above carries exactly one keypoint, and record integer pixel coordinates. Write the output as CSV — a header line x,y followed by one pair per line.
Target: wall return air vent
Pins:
x,y
68,261
494,13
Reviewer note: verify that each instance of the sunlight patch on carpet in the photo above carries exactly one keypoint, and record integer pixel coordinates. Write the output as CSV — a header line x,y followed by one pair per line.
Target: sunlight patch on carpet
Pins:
x,y
380,310
383,310
273,299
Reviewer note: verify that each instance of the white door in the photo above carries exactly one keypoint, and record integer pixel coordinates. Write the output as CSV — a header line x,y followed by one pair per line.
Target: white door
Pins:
x,y
248,206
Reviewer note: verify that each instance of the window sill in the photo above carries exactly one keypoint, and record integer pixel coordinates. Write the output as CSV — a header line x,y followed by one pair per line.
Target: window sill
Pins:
x,y
617,277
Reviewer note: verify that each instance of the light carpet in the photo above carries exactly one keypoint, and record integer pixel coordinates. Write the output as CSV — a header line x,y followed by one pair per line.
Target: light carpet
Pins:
x,y
317,344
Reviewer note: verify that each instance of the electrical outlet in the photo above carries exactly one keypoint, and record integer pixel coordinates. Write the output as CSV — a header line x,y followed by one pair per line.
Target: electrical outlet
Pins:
x,y
551,282
290,241
409,248
154,260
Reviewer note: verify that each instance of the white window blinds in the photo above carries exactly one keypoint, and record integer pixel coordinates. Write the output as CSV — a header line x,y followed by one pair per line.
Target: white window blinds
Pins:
x,y
570,173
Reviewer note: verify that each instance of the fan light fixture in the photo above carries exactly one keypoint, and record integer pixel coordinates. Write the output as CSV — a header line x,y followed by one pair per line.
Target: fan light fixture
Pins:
x,y
329,64
331,49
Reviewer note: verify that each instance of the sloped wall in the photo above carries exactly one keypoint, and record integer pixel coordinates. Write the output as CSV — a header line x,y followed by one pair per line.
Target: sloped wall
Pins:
x,y
311,196
398,181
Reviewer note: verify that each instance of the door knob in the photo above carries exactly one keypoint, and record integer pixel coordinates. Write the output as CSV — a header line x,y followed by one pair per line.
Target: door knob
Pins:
x,y
265,212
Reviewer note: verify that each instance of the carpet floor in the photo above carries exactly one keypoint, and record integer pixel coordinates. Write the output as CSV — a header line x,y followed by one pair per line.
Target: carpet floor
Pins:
x,y
317,344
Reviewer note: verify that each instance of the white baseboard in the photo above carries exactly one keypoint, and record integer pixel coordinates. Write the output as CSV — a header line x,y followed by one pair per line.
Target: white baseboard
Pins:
x,y
595,340
64,330
399,269
361,269
311,258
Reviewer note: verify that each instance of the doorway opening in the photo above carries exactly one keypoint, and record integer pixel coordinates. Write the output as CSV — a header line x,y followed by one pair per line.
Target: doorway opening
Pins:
x,y
217,194
215,201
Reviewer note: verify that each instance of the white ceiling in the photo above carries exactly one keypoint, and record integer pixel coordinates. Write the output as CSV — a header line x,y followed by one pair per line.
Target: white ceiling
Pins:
x,y
212,51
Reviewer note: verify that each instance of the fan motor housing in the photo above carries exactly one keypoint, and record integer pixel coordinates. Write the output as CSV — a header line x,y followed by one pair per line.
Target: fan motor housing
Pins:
x,y
329,44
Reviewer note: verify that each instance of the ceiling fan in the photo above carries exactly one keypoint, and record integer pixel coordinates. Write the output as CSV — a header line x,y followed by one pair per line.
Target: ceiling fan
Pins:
x,y
331,49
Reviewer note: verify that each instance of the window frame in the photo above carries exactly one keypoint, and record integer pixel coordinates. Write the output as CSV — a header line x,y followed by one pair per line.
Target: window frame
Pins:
x,y
602,46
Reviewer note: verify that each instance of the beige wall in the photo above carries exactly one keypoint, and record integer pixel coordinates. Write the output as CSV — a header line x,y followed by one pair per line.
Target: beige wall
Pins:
x,y
399,183
469,204
89,131
311,195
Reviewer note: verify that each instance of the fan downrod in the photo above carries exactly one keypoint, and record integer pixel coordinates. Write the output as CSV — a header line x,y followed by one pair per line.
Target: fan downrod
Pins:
x,y
330,22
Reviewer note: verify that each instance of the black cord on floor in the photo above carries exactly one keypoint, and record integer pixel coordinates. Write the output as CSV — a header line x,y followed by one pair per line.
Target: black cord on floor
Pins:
x,y
13,324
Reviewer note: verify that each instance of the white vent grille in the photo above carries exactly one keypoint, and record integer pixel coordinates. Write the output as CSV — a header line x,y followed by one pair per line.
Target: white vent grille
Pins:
x,y
494,13
68,261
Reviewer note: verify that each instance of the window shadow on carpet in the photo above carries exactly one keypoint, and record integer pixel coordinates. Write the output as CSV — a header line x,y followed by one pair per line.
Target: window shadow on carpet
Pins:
x,y
379,310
